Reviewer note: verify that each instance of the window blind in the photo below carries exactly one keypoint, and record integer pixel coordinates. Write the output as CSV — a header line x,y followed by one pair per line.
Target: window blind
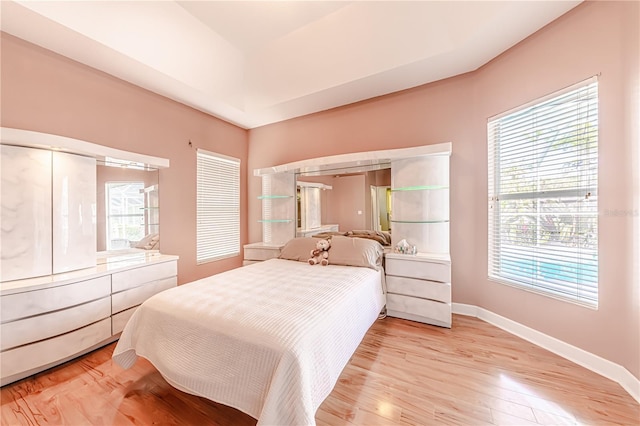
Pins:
x,y
218,206
543,195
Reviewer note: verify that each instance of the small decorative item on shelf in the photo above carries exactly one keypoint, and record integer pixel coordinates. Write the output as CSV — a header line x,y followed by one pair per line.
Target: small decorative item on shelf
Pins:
x,y
404,247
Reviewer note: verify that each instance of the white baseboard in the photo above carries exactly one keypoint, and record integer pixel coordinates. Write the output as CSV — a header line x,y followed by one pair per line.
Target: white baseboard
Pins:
x,y
605,368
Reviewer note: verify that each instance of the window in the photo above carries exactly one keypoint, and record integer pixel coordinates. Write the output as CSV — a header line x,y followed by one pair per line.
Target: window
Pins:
x,y
543,195
218,207
125,213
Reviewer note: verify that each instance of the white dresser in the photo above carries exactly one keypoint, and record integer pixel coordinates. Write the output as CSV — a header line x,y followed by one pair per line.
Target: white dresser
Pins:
x,y
419,287
48,320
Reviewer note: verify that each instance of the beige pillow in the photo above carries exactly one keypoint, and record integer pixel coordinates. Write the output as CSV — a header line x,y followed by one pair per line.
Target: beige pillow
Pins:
x,y
351,251
299,249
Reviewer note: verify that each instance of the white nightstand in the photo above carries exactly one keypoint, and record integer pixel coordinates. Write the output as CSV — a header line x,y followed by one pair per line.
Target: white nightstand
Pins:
x,y
258,252
419,287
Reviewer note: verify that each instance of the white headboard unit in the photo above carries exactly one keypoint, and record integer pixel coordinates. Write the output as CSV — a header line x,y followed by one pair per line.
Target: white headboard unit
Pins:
x,y
279,183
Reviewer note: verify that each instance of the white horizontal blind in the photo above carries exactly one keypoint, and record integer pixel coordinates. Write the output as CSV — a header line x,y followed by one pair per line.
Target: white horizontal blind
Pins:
x,y
218,206
543,202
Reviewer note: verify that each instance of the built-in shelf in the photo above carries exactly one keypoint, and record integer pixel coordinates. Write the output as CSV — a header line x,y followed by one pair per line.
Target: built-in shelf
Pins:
x,y
419,284
419,188
149,208
275,220
420,199
273,197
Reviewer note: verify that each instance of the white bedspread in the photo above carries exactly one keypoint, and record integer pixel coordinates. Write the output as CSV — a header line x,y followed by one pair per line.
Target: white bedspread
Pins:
x,y
269,339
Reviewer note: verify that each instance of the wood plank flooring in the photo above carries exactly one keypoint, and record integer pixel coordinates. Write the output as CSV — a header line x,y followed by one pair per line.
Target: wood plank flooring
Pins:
x,y
403,373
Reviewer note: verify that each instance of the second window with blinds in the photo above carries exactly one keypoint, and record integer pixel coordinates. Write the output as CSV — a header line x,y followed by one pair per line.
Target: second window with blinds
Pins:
x,y
218,206
543,195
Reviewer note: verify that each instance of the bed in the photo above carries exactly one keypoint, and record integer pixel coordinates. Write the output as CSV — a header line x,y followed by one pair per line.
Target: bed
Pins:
x,y
271,338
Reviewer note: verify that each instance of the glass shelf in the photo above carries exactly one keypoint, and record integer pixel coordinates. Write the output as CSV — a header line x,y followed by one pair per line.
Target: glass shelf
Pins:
x,y
420,221
419,188
273,197
275,220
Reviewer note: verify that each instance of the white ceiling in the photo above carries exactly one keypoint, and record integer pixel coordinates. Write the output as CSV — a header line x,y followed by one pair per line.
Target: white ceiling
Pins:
x,y
257,62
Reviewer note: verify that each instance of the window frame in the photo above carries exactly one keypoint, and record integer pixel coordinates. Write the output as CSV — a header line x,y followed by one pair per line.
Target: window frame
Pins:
x,y
214,173
498,254
109,216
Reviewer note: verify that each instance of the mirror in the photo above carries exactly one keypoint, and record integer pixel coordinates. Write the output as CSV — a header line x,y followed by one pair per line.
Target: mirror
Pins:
x,y
309,207
127,211
351,167
359,199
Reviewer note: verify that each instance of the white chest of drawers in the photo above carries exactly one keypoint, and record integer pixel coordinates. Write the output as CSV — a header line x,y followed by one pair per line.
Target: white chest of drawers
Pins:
x,y
49,320
132,287
419,287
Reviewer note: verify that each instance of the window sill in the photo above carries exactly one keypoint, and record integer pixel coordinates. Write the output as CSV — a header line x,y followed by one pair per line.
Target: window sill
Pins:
x,y
549,294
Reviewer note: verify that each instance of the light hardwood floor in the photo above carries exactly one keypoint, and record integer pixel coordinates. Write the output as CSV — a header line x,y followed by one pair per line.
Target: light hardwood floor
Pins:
x,y
403,373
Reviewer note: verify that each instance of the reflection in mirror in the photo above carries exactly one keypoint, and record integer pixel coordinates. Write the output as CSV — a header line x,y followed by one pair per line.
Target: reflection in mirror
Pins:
x,y
381,207
309,204
128,214
359,200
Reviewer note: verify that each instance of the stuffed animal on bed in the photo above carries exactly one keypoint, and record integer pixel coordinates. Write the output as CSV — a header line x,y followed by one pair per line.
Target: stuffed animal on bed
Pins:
x,y
321,253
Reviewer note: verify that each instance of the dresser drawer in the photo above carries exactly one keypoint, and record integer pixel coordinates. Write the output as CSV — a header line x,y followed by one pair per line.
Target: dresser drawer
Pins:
x,y
45,352
43,326
139,276
418,269
418,309
424,289
135,296
30,303
119,320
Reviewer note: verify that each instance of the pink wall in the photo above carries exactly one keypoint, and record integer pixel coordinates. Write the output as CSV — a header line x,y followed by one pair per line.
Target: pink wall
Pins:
x,y
594,38
45,92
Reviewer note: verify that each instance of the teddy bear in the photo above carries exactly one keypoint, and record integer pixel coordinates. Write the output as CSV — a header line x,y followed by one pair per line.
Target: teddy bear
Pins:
x,y
321,253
